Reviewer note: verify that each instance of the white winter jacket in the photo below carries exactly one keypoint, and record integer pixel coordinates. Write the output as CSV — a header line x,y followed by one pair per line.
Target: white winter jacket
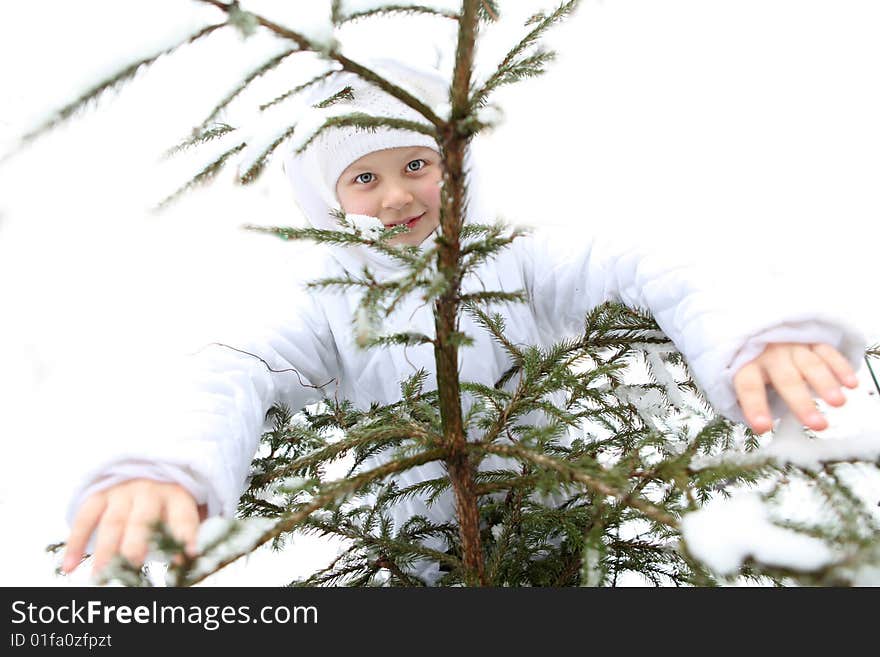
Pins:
x,y
203,430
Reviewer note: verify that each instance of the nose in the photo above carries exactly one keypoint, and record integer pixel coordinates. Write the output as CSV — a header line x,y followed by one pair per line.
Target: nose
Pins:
x,y
396,197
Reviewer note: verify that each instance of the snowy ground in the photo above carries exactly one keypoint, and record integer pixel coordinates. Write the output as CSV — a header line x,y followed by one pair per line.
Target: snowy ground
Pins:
x,y
656,118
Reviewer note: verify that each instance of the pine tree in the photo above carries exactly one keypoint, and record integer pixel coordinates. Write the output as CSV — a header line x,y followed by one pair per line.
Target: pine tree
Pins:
x,y
629,461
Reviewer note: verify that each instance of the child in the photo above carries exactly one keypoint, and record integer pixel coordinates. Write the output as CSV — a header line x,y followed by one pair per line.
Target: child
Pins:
x,y
194,459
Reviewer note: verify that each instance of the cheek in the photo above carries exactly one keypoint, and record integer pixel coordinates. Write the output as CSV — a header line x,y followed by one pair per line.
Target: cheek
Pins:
x,y
429,193
353,203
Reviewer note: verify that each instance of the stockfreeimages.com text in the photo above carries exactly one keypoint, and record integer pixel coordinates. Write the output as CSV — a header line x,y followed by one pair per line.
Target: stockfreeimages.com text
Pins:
x,y
210,617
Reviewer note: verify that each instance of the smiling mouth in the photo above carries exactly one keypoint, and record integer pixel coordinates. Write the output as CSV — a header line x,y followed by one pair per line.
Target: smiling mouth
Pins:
x,y
409,223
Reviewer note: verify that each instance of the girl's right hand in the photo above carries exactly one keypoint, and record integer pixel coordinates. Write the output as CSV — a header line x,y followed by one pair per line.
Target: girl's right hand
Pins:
x,y
123,515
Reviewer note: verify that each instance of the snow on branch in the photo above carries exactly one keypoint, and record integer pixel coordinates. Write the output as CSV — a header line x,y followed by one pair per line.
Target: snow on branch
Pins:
x,y
205,175
261,70
356,120
791,445
726,532
314,33
309,23
351,10
519,63
114,81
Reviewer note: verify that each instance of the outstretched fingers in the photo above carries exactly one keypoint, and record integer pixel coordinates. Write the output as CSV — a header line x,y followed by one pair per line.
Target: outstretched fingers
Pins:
x,y
787,378
837,363
818,374
110,531
145,511
83,525
751,392
123,519
183,521
793,369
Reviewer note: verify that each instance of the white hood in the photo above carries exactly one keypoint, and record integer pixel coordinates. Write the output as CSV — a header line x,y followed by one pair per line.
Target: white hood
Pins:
x,y
312,173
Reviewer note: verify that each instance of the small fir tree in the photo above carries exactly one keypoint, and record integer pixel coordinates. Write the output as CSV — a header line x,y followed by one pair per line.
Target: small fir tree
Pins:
x,y
618,477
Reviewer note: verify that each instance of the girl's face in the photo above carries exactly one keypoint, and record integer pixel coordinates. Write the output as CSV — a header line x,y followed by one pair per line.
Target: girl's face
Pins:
x,y
397,186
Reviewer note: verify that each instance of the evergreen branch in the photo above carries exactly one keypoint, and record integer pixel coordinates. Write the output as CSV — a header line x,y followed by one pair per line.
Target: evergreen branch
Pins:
x,y
494,296
215,132
453,145
500,399
299,88
760,459
345,94
561,12
609,325
347,64
411,388
475,254
434,486
493,240
513,503
505,414
404,254
323,574
368,123
408,339
388,87
822,576
330,492
346,530
853,513
254,171
542,25
384,562
202,177
341,283
573,474
260,71
391,9
367,436
518,482
495,326
471,231
336,575
530,66
336,13
488,10
113,82
315,234
249,498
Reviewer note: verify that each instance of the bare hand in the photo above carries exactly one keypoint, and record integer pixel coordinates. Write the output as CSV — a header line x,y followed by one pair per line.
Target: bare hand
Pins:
x,y
789,367
124,514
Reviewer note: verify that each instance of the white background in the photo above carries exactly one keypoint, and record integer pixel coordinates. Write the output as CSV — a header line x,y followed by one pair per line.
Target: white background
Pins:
x,y
746,128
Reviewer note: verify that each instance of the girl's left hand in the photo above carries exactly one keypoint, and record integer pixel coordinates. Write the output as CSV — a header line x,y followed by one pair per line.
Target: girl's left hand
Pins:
x,y
789,367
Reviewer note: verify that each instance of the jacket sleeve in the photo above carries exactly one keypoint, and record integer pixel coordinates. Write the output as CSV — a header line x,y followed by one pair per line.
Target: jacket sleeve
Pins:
x,y
719,310
197,420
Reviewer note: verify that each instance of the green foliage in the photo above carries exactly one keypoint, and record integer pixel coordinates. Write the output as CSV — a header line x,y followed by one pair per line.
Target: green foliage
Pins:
x,y
340,18
199,137
543,513
202,177
367,123
258,72
590,494
519,64
115,82
584,455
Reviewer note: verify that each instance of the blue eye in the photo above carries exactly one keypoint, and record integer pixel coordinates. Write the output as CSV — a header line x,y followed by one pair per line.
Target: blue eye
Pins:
x,y
364,178
421,165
